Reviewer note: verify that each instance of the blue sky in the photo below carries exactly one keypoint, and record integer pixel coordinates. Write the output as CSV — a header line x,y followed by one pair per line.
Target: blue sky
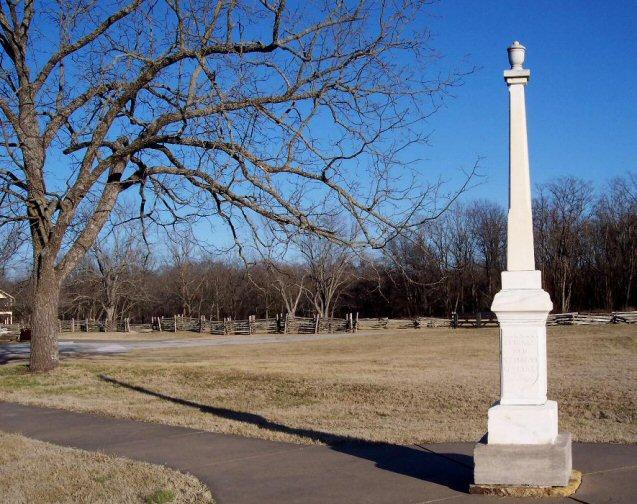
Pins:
x,y
581,100
581,103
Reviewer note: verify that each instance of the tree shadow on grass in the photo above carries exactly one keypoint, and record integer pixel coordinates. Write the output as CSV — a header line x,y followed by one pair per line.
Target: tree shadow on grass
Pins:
x,y
453,470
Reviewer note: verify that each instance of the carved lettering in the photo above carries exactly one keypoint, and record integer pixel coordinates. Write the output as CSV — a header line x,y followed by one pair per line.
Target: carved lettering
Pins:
x,y
520,361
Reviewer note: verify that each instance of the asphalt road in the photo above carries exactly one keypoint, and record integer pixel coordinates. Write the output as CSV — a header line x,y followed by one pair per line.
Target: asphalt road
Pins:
x,y
20,351
254,471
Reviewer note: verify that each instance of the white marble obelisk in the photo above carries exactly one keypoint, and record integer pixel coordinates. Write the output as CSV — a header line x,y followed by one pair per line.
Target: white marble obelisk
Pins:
x,y
523,446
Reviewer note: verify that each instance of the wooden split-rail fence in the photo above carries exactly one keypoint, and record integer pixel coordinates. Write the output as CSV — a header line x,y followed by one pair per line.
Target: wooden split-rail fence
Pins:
x,y
576,318
477,320
488,319
93,325
280,324
286,324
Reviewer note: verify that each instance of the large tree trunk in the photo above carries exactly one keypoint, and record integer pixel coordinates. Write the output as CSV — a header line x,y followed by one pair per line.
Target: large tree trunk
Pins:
x,y
44,322
109,323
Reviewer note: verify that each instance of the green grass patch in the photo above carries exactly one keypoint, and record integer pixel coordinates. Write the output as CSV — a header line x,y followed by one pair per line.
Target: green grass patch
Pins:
x,y
160,497
18,377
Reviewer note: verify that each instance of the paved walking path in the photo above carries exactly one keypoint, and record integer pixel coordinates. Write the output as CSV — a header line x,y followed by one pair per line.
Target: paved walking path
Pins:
x,y
20,351
241,470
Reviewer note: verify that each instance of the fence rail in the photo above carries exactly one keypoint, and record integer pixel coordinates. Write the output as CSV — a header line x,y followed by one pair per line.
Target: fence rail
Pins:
x,y
479,319
488,319
285,324
625,317
576,318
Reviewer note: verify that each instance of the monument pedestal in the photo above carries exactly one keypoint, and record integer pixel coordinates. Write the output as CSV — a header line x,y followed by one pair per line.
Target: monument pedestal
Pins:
x,y
522,446
523,424
539,465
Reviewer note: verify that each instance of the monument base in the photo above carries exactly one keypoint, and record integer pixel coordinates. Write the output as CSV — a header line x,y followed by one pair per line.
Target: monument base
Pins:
x,y
539,465
530,491
523,424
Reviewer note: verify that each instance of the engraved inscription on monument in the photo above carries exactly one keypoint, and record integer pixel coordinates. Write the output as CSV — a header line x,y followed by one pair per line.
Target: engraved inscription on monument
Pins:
x,y
520,363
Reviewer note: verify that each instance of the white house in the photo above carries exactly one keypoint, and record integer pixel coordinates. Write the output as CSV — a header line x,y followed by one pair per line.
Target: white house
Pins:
x,y
6,308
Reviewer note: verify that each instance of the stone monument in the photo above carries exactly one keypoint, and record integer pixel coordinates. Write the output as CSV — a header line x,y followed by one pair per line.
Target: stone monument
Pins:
x,y
522,446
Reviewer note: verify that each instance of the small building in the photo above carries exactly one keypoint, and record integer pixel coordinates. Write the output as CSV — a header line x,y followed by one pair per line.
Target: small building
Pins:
x,y
6,308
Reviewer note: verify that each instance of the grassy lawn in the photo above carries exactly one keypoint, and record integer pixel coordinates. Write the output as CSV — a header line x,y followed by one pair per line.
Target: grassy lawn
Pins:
x,y
431,385
34,472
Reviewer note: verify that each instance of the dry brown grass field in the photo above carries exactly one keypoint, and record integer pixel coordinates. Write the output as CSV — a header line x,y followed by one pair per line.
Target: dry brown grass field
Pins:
x,y
70,476
429,385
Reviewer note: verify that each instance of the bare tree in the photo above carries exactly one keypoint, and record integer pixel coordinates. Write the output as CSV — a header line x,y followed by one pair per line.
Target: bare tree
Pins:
x,y
454,245
329,271
488,223
417,271
12,239
613,240
225,289
214,284
560,212
234,109
186,274
451,263
108,283
289,280
120,260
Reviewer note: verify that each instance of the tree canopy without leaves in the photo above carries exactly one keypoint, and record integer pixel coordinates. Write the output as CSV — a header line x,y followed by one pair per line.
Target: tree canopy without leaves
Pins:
x,y
451,264
238,109
109,280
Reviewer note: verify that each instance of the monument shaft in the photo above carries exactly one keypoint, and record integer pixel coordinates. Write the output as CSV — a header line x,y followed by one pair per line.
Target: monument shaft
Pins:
x,y
520,255
522,306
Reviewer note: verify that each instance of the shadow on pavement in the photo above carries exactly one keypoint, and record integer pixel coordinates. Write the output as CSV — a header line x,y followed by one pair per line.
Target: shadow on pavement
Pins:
x,y
7,355
454,471
13,352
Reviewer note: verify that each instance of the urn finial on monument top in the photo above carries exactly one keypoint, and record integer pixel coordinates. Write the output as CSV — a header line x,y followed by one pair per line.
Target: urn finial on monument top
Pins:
x,y
517,74
516,55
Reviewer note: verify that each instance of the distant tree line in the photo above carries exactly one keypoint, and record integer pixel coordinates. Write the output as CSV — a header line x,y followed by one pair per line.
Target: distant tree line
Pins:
x,y
586,247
